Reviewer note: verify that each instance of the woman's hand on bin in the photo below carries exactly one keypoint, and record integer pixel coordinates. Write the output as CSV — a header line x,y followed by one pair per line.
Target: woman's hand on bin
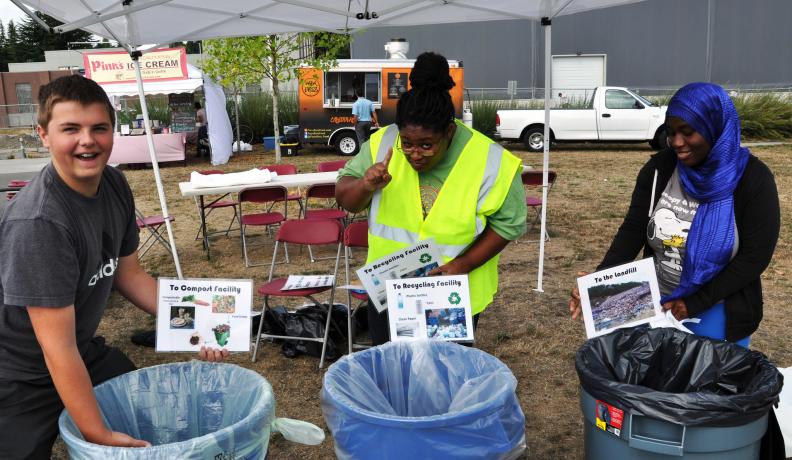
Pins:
x,y
678,308
212,355
574,299
377,176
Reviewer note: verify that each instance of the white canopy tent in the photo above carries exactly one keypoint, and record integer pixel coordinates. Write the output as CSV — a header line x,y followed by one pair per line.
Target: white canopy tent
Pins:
x,y
220,135
135,22
193,81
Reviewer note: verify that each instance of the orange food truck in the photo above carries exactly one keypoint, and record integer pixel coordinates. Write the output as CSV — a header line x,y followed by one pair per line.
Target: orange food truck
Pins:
x,y
325,98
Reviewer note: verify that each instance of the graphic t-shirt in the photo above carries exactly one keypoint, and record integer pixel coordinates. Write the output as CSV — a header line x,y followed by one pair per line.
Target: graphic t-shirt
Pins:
x,y
668,230
59,248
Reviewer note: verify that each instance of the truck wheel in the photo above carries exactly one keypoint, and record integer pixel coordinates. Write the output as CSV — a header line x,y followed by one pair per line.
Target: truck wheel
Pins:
x,y
660,141
346,144
534,139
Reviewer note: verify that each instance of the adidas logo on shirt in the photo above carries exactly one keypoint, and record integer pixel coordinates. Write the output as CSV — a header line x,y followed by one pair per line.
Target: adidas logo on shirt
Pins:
x,y
106,270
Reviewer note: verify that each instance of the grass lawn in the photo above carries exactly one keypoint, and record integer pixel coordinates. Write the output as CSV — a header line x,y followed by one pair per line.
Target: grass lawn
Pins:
x,y
530,332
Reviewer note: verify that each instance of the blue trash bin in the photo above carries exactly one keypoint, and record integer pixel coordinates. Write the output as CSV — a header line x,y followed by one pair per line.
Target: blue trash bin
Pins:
x,y
423,399
193,410
269,142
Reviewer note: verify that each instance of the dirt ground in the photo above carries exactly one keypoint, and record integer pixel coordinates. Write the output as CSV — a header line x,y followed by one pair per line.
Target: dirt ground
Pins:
x,y
530,331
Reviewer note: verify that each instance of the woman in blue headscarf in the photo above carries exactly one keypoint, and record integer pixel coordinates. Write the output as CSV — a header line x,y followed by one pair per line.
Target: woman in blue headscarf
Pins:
x,y
707,211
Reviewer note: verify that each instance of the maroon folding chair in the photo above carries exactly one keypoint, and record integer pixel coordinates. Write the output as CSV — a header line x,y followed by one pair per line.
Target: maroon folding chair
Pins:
x,y
218,203
326,193
157,231
532,180
15,184
286,169
260,195
355,236
301,232
328,166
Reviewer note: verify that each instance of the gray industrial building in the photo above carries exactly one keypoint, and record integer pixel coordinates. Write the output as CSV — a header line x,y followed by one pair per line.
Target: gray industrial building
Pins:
x,y
650,44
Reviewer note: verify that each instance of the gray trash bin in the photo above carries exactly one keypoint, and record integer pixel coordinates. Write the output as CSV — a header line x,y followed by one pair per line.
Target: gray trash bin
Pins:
x,y
652,394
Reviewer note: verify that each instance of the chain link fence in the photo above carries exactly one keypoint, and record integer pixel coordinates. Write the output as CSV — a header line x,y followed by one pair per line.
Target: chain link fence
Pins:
x,y
18,138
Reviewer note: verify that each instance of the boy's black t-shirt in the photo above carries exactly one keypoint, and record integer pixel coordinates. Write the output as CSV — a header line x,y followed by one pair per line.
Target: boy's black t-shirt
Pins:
x,y
58,248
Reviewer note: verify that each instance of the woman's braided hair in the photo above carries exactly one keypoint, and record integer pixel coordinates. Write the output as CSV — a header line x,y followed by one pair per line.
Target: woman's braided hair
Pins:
x,y
428,103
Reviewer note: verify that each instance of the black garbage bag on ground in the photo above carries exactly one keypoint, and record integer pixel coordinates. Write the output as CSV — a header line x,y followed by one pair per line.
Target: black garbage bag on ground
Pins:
x,y
678,377
310,321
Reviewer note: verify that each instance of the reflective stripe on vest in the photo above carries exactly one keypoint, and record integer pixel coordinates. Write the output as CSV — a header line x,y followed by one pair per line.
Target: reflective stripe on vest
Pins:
x,y
459,213
491,170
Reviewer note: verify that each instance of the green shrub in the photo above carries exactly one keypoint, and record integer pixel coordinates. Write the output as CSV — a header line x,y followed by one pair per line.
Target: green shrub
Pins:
x,y
764,116
255,111
484,115
157,107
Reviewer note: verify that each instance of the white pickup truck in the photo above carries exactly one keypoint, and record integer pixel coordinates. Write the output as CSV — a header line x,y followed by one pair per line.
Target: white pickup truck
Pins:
x,y
611,114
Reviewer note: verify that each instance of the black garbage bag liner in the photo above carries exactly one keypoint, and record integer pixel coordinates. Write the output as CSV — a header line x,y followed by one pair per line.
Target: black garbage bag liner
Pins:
x,y
678,377
310,322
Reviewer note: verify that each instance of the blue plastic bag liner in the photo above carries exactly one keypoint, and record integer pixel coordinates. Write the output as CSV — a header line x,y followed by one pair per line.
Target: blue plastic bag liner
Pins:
x,y
423,399
194,410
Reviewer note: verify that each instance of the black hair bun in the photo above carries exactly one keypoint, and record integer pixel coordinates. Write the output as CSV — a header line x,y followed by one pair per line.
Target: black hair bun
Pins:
x,y
431,72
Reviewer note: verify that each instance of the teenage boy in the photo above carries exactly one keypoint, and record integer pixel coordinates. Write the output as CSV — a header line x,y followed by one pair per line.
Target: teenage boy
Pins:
x,y
66,240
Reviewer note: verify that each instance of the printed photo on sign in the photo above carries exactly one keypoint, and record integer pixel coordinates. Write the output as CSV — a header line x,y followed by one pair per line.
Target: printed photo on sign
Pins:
x,y
623,296
436,307
182,317
192,313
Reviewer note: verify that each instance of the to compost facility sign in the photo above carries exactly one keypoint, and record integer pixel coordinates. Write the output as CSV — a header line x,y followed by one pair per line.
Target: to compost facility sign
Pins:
x,y
116,66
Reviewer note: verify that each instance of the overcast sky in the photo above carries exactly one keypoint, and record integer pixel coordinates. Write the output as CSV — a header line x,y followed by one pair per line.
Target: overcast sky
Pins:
x,y
9,11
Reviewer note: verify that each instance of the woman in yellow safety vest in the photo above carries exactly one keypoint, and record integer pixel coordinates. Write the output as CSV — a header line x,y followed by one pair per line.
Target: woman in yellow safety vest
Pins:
x,y
430,176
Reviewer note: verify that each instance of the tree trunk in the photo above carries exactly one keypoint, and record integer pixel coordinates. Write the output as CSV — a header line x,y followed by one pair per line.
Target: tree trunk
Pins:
x,y
275,94
236,118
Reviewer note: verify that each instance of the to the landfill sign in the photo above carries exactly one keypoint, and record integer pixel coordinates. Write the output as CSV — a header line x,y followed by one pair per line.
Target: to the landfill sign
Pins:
x,y
425,258
454,298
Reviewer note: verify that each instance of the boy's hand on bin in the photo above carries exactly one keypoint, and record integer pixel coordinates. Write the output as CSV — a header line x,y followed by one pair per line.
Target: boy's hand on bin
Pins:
x,y
212,355
574,299
116,439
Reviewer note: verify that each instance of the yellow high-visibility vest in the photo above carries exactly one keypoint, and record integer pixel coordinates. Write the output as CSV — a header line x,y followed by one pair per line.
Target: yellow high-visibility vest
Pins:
x,y
475,188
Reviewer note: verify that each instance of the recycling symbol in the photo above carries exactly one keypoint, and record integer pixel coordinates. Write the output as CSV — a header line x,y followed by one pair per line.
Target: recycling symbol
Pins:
x,y
454,298
425,258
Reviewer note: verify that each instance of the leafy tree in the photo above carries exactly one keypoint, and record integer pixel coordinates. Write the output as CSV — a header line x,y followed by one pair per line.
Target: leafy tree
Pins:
x,y
235,62
11,43
34,40
3,52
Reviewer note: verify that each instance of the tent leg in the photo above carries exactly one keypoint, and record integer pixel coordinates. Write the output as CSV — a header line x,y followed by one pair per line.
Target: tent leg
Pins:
x,y
135,55
546,157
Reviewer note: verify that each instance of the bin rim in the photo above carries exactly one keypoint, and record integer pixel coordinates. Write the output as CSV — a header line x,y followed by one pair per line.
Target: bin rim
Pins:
x,y
254,411
467,415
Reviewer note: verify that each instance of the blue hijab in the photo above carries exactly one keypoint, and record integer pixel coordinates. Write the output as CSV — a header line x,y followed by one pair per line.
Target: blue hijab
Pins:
x,y
710,111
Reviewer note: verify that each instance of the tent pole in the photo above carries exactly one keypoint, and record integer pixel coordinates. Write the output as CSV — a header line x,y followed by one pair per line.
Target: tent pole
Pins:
x,y
154,164
546,24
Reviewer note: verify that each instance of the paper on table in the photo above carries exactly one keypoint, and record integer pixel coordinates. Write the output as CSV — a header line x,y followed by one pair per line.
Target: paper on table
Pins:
x,y
308,282
254,176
